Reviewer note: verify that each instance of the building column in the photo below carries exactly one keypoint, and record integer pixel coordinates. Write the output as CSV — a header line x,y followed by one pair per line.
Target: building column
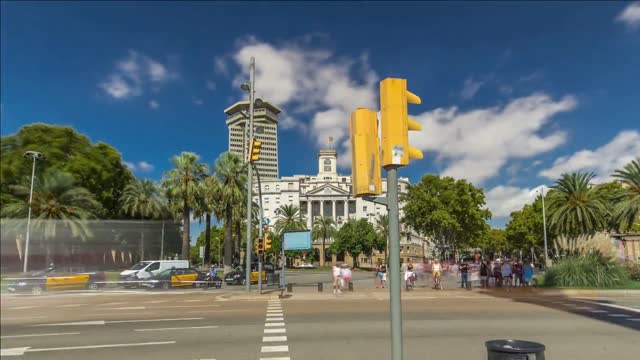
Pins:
x,y
321,207
346,210
333,208
309,214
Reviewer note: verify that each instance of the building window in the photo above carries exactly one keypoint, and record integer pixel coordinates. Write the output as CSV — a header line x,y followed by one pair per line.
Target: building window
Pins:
x,y
277,187
344,180
364,209
327,165
266,188
266,200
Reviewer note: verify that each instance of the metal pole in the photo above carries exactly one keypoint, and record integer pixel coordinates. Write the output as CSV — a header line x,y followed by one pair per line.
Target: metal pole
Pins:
x,y
395,280
252,70
26,245
162,243
260,233
544,227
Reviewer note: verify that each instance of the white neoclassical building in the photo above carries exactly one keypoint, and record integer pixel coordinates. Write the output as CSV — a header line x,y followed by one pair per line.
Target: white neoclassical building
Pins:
x,y
329,194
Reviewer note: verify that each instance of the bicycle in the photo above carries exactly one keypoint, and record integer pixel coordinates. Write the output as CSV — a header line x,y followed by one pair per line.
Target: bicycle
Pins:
x,y
437,285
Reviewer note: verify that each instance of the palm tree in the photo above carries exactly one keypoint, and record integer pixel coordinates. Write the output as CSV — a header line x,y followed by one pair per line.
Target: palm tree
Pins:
x,y
182,187
323,228
575,207
208,205
627,210
231,173
57,204
289,218
382,229
141,199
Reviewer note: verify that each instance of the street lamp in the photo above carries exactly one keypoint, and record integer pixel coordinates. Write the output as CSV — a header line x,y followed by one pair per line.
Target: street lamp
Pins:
x,y
251,88
35,156
544,228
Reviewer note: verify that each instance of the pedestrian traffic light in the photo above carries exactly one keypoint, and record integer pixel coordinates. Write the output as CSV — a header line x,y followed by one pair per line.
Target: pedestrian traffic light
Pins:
x,y
254,150
267,241
396,122
260,245
365,153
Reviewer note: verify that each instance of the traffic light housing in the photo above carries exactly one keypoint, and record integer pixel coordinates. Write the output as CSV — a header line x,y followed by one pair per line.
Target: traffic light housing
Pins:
x,y
260,245
365,153
267,241
396,122
254,150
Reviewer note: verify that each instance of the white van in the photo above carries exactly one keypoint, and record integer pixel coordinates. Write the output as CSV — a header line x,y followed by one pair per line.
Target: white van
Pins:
x,y
146,269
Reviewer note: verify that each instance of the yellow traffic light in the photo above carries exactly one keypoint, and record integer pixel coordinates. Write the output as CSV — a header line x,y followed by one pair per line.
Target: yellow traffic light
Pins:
x,y
267,241
365,153
396,122
259,245
254,150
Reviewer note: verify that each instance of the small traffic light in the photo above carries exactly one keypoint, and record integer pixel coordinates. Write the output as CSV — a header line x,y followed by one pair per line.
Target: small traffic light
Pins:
x,y
254,150
396,122
365,153
267,241
260,245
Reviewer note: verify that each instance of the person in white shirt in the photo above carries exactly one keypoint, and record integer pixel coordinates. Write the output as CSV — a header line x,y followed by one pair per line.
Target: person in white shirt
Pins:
x,y
409,277
436,269
336,278
345,275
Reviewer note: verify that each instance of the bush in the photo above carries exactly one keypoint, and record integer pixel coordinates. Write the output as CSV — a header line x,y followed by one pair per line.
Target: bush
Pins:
x,y
593,270
632,270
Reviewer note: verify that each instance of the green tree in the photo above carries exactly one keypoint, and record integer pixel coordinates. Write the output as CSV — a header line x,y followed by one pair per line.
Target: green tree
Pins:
x,y
289,218
323,228
182,186
231,173
611,195
96,167
525,229
57,204
355,237
575,208
142,200
627,210
216,242
452,212
493,241
382,229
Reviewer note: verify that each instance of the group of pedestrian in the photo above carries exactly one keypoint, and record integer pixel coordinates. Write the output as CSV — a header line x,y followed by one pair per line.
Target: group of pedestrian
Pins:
x,y
506,273
341,277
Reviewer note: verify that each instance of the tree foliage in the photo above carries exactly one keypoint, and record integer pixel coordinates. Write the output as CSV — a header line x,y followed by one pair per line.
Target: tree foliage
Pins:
x,y
525,229
323,228
447,210
627,210
98,167
356,237
289,218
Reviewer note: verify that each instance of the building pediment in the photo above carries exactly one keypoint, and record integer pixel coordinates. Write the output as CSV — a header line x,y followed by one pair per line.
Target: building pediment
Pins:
x,y
327,190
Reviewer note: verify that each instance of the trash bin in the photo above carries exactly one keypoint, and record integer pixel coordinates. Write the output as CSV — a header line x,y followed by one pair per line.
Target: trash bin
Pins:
x,y
289,288
514,350
319,287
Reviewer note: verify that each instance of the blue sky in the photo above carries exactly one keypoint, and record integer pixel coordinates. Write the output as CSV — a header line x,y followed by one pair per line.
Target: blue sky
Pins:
x,y
513,94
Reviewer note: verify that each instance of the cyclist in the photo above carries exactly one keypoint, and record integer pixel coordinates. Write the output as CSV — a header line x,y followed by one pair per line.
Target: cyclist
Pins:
x,y
436,269
409,278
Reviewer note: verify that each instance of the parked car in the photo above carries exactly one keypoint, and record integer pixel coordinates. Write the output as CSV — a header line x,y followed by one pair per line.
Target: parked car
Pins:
x,y
52,279
306,266
173,278
144,270
237,276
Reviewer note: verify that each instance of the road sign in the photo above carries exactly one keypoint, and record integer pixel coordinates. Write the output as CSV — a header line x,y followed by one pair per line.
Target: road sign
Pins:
x,y
297,240
202,252
266,220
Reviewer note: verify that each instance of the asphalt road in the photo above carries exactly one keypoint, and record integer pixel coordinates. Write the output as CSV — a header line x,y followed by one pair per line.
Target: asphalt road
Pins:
x,y
222,324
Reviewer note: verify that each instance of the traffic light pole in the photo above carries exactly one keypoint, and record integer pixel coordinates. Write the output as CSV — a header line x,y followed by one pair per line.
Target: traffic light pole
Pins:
x,y
395,280
252,93
259,229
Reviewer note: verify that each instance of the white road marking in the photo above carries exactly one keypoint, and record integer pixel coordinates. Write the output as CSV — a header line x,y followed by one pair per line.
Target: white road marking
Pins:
x,y
274,314
113,303
275,319
71,305
13,351
584,307
195,300
179,328
275,331
123,308
183,306
273,338
213,311
153,320
155,301
278,348
634,319
619,315
37,335
273,311
21,318
74,323
102,346
598,311
276,358
280,324
613,306
274,307
20,308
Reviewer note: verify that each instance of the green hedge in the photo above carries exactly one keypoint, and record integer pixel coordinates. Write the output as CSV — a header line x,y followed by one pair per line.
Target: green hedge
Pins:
x,y
585,271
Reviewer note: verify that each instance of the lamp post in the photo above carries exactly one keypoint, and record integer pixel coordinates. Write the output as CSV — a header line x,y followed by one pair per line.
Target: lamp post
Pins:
x,y
250,87
544,229
35,156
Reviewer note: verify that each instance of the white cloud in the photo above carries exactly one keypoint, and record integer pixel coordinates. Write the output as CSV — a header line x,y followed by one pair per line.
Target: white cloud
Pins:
x,y
133,74
623,148
630,15
198,102
470,88
502,200
311,82
153,104
220,65
211,85
141,166
477,143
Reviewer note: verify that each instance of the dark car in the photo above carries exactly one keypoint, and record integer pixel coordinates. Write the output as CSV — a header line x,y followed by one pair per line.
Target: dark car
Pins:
x,y
173,278
237,276
52,279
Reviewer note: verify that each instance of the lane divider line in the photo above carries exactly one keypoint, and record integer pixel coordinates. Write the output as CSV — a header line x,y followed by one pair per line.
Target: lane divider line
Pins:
x,y
37,335
179,328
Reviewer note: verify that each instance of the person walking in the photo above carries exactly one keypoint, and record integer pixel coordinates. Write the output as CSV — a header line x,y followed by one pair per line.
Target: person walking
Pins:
x,y
383,275
464,274
527,273
484,273
336,279
507,274
378,277
518,270
345,274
